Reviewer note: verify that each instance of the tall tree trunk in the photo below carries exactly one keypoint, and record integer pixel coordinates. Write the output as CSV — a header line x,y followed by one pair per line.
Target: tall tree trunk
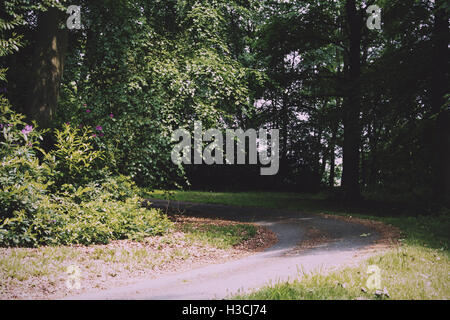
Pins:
x,y
318,151
332,157
323,165
47,69
374,138
284,141
439,88
352,131
363,163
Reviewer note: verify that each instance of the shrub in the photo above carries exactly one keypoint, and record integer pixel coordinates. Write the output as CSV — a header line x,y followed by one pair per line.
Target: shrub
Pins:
x,y
60,221
74,159
139,148
66,199
118,187
22,177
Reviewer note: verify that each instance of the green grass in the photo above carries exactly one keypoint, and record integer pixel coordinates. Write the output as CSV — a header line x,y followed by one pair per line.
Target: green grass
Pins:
x,y
23,263
406,273
219,236
20,264
261,199
418,269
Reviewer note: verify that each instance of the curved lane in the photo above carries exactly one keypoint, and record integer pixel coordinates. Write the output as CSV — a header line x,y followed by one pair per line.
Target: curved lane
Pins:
x,y
281,262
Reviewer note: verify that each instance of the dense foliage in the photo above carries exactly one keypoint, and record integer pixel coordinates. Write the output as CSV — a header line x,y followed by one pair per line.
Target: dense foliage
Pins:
x,y
364,109
63,197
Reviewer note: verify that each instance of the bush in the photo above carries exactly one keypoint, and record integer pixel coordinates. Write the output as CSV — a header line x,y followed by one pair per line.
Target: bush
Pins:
x,y
66,199
117,188
60,221
139,148
134,143
74,159
22,177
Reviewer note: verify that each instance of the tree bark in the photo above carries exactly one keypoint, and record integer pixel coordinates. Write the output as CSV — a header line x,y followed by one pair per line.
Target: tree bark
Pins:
x,y
439,88
332,157
352,131
47,67
284,141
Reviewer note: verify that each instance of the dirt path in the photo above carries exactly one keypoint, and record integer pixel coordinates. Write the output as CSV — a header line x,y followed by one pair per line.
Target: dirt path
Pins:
x,y
306,242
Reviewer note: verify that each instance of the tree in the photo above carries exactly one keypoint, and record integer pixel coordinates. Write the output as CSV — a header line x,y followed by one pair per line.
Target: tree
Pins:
x,y
439,106
352,105
48,66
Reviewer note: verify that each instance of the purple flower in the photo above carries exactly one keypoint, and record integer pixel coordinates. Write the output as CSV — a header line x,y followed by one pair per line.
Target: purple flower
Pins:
x,y
88,110
111,115
98,128
1,125
94,135
101,134
27,129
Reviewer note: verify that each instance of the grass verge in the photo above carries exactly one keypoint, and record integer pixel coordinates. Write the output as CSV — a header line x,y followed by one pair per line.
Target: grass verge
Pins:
x,y
406,273
222,236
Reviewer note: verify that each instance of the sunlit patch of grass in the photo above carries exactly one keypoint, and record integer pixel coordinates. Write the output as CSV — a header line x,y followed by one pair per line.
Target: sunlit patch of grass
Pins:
x,y
219,236
136,256
22,263
406,273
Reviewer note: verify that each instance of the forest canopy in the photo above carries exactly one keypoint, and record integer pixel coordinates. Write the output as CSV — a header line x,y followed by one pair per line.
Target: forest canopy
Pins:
x,y
362,112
